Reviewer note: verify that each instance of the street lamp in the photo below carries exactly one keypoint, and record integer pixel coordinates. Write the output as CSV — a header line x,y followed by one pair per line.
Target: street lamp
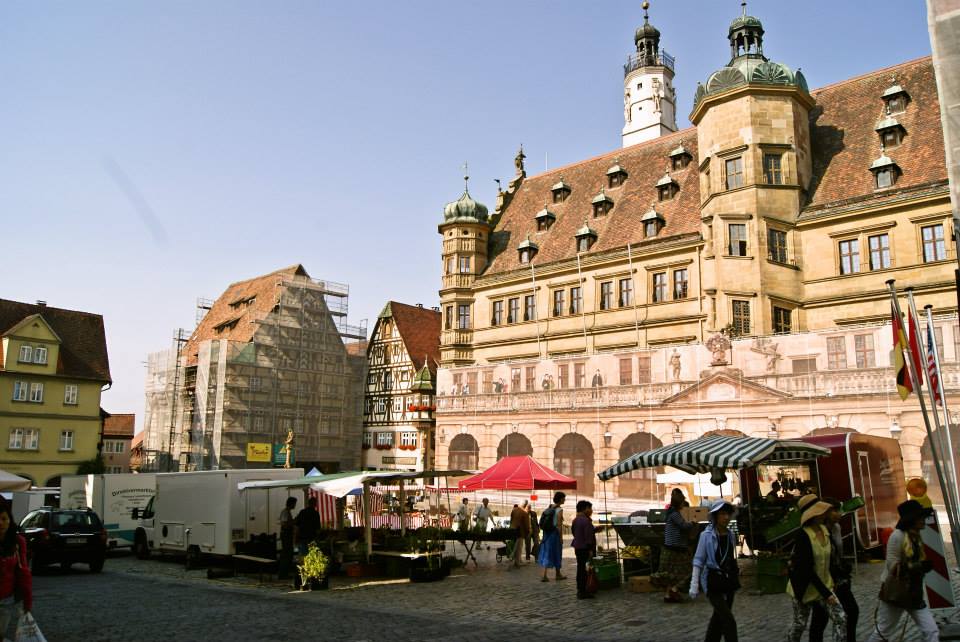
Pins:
x,y
607,438
895,429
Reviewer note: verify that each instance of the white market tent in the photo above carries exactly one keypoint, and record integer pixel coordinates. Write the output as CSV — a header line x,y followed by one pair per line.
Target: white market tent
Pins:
x,y
347,483
10,482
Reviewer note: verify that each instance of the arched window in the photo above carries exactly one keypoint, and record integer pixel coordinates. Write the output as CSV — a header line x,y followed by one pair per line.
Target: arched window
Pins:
x,y
464,453
513,445
573,456
640,483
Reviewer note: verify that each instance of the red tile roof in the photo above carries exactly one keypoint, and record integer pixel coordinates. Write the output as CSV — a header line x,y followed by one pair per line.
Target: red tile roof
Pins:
x,y
137,441
234,314
420,330
83,351
845,142
644,163
119,425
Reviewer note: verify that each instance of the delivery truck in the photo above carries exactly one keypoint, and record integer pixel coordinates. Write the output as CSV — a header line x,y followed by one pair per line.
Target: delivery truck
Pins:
x,y
113,497
203,513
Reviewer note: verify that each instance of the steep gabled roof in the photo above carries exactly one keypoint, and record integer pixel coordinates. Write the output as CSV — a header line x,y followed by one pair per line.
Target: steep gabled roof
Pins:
x,y
845,142
234,314
83,341
420,330
644,164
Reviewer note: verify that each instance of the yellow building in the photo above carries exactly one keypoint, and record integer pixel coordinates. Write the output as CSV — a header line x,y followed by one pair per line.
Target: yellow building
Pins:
x,y
53,367
729,276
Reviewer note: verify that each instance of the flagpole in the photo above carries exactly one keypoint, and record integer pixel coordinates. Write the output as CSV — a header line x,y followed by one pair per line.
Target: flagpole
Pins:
x,y
946,410
934,450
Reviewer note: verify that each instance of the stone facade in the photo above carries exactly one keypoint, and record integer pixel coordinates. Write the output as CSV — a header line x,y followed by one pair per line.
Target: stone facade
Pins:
x,y
776,224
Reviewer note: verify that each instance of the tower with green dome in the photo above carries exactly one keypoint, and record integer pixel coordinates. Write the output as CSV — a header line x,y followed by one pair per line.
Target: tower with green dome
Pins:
x,y
466,234
753,133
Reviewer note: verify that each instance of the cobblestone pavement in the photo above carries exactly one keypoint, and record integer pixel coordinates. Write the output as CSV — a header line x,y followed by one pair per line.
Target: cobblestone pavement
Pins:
x,y
160,600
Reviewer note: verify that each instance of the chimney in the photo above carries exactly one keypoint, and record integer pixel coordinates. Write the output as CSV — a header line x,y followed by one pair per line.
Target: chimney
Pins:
x,y
435,308
419,305
41,304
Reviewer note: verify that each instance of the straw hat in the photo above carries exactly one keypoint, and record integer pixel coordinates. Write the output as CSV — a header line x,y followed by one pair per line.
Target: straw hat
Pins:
x,y
806,501
818,509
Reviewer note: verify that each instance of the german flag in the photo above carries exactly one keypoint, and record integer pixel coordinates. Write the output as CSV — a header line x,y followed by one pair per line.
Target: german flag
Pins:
x,y
897,360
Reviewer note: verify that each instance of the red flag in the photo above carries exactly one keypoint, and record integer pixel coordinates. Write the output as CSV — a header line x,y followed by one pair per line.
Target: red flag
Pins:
x,y
915,354
904,385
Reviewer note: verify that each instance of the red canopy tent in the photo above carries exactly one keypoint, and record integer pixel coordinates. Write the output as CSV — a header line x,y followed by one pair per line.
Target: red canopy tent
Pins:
x,y
518,473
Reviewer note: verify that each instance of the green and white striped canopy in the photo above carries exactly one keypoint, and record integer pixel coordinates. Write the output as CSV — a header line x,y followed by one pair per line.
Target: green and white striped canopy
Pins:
x,y
710,453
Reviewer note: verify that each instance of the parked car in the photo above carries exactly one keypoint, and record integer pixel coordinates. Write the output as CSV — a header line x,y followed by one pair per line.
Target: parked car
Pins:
x,y
66,537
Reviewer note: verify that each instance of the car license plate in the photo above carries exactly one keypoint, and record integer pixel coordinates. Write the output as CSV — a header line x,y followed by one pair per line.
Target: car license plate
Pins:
x,y
76,540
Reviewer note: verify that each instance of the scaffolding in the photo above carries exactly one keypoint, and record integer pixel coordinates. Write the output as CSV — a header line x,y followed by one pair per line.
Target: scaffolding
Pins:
x,y
302,372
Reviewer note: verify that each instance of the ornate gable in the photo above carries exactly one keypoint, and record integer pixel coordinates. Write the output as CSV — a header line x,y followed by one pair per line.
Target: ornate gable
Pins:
x,y
723,387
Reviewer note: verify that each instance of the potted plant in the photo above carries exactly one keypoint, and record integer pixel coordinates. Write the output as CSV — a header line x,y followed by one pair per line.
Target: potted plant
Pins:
x,y
313,569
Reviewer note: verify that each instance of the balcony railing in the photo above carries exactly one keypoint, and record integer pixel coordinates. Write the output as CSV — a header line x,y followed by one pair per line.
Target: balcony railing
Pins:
x,y
638,61
828,383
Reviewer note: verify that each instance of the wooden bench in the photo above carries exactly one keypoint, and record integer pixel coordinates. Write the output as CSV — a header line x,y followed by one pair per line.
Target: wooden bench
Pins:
x,y
262,564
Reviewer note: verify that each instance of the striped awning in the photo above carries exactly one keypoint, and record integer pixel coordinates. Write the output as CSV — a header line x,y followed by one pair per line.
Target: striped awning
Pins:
x,y
717,452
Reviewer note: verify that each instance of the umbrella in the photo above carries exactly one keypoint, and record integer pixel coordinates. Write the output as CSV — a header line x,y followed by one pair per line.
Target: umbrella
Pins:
x,y
9,482
717,453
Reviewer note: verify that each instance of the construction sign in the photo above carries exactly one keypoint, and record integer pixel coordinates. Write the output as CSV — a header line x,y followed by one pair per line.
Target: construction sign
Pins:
x,y
937,584
258,452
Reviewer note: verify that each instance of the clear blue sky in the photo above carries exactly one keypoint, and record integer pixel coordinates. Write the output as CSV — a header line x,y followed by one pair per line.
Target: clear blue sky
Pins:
x,y
154,152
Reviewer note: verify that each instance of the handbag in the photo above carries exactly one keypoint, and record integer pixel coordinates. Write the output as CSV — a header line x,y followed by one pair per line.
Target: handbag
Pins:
x,y
27,630
593,582
723,581
897,589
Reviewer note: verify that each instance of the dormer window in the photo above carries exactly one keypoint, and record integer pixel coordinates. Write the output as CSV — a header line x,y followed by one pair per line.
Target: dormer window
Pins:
x,y
585,238
667,188
560,191
652,223
885,172
602,204
528,249
895,98
616,175
545,219
680,158
891,132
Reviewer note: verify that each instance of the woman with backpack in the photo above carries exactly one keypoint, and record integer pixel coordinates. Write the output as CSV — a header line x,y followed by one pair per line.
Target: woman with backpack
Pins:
x,y
715,569
551,548
901,589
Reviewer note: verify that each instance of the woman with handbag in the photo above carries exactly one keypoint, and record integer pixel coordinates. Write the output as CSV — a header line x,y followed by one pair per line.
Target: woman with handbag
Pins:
x,y
16,583
811,585
715,569
584,545
901,588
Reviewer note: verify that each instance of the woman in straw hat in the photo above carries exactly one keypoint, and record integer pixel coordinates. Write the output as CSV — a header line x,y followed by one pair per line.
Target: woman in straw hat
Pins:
x,y
715,569
811,585
906,559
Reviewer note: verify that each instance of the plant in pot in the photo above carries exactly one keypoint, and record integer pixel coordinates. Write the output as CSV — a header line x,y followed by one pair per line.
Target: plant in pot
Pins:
x,y
313,569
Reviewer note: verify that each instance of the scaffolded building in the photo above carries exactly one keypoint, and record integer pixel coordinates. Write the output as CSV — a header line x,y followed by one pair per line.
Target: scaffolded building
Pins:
x,y
273,360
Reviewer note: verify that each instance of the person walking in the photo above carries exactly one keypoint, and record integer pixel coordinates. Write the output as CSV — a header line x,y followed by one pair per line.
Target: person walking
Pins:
x,y
715,570
584,544
676,561
462,518
810,584
286,539
551,548
520,521
307,525
483,516
534,539
906,564
16,582
841,572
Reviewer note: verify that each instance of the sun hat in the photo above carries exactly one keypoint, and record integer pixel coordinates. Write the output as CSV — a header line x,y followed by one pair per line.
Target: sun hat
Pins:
x,y
722,505
818,509
910,511
806,501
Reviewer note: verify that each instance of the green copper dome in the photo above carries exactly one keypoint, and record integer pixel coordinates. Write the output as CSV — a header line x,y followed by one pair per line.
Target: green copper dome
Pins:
x,y
742,22
465,210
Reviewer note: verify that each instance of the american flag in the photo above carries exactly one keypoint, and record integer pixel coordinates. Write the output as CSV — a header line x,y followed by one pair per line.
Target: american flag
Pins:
x,y
932,375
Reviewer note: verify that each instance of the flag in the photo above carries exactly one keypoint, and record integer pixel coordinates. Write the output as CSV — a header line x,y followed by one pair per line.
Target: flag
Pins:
x,y
904,386
915,353
932,375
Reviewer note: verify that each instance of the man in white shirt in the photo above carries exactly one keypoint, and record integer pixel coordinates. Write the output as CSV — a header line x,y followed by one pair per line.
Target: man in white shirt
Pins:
x,y
463,516
483,515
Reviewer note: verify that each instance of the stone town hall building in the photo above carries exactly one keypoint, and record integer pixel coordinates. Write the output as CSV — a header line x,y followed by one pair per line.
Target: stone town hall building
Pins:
x,y
582,319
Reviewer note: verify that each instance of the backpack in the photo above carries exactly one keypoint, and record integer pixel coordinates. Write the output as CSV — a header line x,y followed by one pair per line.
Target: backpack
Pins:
x,y
547,523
